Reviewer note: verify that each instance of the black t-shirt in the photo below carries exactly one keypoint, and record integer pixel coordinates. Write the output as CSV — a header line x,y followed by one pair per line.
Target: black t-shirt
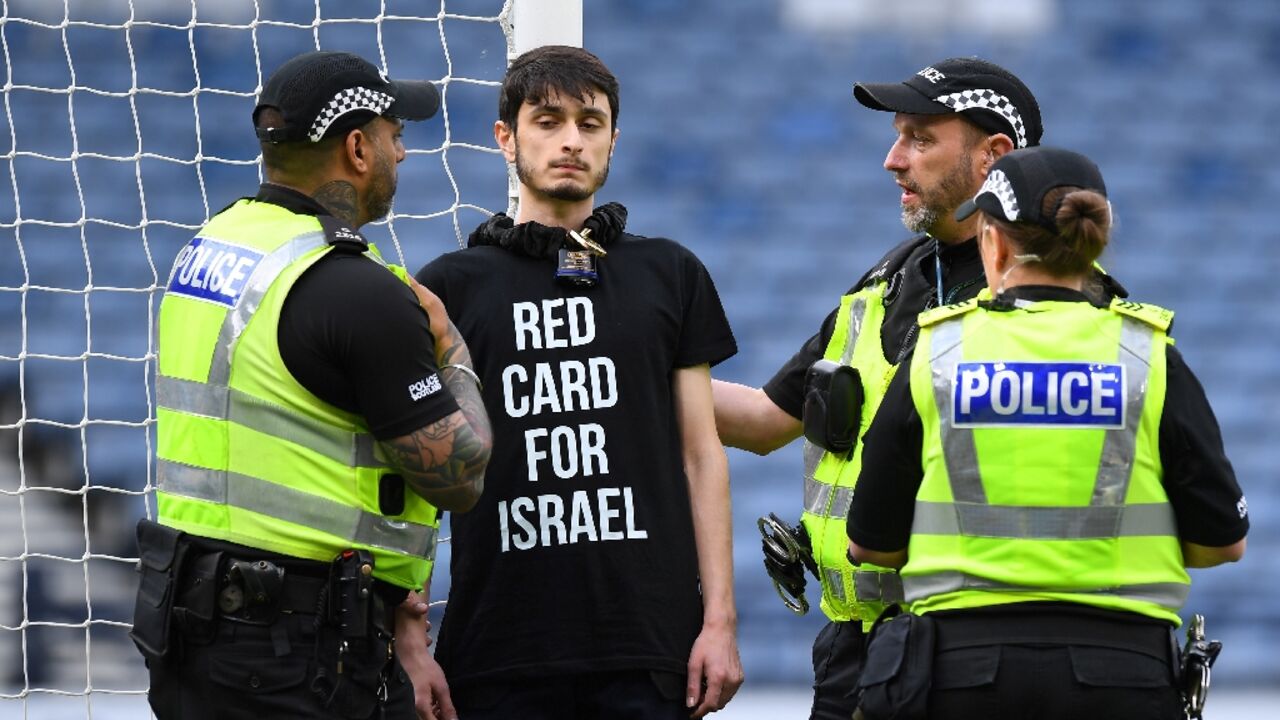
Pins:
x,y
580,555
353,334
912,289
1198,478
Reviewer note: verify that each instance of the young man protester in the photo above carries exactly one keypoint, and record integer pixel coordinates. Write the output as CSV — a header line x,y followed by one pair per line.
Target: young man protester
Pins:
x,y
953,120
595,577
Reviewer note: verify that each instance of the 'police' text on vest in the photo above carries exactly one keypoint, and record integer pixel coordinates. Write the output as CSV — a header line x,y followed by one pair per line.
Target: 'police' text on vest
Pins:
x,y
213,271
1062,394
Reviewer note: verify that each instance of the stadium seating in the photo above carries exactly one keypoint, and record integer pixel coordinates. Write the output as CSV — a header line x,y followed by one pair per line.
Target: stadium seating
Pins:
x,y
741,139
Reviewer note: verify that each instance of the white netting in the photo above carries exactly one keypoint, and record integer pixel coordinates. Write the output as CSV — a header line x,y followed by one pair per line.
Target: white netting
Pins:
x,y
127,127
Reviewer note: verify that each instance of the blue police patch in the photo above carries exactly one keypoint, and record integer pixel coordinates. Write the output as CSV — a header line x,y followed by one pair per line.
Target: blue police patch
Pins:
x,y
213,271
1070,394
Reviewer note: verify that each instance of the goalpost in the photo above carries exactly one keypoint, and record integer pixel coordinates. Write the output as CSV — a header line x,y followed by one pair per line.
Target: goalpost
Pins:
x,y
127,127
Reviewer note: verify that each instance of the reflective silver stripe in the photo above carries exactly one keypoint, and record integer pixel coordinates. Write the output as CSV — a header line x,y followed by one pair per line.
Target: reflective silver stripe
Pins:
x,y
191,397
816,495
1074,523
818,499
1170,595
957,444
857,309
291,505
350,449
812,456
843,498
255,289
872,586
835,584
1118,448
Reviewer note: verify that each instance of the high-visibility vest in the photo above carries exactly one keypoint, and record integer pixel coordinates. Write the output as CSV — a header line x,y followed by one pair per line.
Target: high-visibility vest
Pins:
x,y
849,592
245,453
1042,474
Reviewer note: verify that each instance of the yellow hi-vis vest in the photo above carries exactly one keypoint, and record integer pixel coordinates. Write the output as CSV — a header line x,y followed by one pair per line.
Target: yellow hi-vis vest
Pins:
x,y
849,593
1041,459
245,453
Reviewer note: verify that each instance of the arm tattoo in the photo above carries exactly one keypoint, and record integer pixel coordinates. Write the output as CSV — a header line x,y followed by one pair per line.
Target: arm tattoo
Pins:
x,y
448,457
339,198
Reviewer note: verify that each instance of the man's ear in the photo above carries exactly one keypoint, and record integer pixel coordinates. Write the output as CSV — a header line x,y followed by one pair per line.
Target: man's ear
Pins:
x,y
505,135
357,152
995,147
613,142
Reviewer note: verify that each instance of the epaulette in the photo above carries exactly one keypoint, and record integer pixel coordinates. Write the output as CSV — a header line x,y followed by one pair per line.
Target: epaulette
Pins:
x,y
340,234
938,314
890,263
1153,315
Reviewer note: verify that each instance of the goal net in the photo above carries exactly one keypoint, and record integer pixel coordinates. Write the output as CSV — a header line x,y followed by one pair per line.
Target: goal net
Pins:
x,y
125,127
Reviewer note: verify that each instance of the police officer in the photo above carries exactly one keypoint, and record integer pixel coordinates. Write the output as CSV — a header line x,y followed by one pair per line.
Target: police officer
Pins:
x,y
952,120
1043,469
312,421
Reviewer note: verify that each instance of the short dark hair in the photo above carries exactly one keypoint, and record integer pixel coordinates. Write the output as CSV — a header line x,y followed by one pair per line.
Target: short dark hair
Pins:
x,y
298,159
551,69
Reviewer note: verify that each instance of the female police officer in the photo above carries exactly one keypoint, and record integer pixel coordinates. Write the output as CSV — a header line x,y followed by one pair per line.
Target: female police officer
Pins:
x,y
1051,469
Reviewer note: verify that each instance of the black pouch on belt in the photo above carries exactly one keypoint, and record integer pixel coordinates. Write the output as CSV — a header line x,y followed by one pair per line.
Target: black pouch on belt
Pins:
x,y
832,406
352,647
161,551
898,673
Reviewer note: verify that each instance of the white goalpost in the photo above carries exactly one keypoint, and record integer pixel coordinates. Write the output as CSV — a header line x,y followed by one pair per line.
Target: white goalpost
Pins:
x,y
125,126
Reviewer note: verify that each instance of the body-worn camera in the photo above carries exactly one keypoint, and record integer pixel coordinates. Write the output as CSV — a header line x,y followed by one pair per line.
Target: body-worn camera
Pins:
x,y
832,406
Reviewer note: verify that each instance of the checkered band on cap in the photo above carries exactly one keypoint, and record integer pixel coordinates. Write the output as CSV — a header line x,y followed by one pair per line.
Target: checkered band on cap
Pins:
x,y
356,98
998,184
987,100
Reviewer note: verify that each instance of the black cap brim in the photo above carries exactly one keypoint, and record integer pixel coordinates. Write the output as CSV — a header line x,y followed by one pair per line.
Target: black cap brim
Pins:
x,y
897,97
967,208
415,99
984,201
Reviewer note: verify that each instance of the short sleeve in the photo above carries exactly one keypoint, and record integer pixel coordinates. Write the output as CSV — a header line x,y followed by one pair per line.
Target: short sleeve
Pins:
x,y
705,335
1198,477
786,387
354,335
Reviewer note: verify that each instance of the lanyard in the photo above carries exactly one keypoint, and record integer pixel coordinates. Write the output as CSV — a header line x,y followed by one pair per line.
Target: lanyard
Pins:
x,y
937,268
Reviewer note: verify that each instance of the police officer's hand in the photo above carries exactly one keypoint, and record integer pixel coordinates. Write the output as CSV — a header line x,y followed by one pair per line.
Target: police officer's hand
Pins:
x,y
437,316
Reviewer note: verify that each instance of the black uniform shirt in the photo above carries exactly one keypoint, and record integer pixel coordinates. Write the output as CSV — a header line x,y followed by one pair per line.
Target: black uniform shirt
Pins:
x,y
912,290
354,335
1197,478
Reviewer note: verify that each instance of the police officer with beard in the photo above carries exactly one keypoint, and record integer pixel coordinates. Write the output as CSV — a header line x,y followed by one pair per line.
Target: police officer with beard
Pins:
x,y
312,421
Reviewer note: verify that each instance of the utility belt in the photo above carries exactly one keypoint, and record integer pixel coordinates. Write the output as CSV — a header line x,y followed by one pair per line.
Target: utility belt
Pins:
x,y
898,672
1126,631
187,591
259,591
